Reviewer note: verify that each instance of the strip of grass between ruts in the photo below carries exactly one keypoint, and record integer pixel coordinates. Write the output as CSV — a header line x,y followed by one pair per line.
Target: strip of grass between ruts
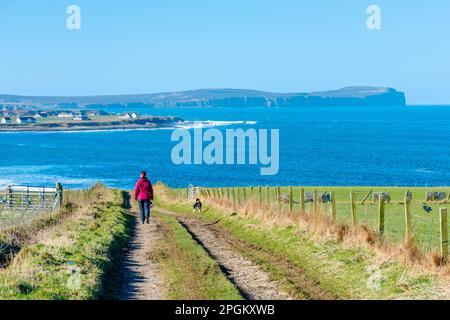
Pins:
x,y
75,259
345,273
189,272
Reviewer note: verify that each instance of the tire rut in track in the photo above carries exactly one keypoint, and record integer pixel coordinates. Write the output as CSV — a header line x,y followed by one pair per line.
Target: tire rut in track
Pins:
x,y
252,282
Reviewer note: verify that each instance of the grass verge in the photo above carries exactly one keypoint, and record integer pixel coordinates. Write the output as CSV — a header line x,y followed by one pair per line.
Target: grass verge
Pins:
x,y
73,259
190,273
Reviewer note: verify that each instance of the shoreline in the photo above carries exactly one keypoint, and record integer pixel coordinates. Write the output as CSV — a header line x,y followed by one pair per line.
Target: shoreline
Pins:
x,y
85,129
182,124
154,122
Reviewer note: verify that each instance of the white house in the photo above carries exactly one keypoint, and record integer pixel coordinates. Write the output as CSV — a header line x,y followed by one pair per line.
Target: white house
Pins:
x,y
6,120
125,116
65,115
80,117
40,115
132,115
25,120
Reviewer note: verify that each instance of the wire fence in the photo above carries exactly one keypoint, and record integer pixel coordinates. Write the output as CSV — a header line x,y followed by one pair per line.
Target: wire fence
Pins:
x,y
398,214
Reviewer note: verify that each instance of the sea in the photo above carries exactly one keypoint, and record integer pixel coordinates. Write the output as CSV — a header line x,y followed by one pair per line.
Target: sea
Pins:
x,y
318,146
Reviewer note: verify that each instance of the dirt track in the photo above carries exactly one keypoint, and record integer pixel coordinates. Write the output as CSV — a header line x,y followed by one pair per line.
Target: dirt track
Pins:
x,y
142,278
251,280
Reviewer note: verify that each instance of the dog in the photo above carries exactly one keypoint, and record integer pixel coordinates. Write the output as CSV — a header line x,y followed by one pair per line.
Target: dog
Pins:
x,y
197,207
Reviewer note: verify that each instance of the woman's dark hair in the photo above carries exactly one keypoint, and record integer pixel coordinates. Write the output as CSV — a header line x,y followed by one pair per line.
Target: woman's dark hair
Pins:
x,y
144,174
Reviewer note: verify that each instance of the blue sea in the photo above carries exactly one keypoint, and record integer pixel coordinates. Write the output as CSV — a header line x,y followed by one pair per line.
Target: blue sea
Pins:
x,y
404,146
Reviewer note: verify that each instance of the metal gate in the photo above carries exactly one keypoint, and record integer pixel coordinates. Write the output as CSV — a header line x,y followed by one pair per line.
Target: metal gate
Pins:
x,y
19,198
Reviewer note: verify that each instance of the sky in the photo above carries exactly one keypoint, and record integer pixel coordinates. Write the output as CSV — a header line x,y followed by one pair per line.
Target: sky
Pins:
x,y
147,46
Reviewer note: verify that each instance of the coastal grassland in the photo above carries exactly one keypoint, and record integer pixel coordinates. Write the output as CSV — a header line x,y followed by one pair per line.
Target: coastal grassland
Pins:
x,y
190,273
345,261
18,229
426,226
73,258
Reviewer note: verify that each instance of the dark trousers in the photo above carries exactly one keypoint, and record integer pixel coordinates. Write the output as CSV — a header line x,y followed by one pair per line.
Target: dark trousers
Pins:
x,y
144,209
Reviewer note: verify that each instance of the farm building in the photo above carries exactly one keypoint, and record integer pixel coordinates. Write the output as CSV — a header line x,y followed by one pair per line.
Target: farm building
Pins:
x,y
25,120
6,120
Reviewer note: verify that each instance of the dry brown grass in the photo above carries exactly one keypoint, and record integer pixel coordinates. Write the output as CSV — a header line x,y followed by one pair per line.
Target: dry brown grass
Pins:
x,y
322,227
43,230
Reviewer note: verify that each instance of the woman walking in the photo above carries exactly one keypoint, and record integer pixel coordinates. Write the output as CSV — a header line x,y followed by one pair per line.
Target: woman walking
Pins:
x,y
143,193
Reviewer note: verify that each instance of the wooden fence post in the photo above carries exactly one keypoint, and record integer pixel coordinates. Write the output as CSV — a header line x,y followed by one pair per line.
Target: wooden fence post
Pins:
x,y
60,190
228,194
381,210
408,222
10,196
444,234
268,194
234,198
279,196
315,195
244,191
238,196
353,204
302,200
260,195
333,205
291,198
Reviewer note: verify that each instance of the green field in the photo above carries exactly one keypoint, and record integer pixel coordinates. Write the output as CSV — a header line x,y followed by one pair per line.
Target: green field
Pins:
x,y
426,226
291,254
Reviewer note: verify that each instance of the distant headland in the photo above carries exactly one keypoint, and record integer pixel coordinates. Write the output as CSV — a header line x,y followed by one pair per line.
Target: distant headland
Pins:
x,y
349,96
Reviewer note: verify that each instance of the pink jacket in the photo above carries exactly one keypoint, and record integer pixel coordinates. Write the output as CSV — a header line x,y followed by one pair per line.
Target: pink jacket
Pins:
x,y
143,190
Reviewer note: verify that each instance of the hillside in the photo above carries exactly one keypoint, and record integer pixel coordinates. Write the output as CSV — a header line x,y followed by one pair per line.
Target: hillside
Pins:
x,y
349,96
246,243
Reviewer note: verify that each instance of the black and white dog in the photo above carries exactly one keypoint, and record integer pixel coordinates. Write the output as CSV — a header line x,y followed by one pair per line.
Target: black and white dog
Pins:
x,y
197,206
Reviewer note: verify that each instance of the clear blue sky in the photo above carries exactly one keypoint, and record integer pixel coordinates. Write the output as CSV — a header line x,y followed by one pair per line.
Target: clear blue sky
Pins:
x,y
144,46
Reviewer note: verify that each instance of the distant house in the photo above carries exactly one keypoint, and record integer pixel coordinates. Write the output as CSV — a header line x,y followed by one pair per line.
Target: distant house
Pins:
x,y
66,115
6,120
80,117
131,115
21,120
125,116
40,115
